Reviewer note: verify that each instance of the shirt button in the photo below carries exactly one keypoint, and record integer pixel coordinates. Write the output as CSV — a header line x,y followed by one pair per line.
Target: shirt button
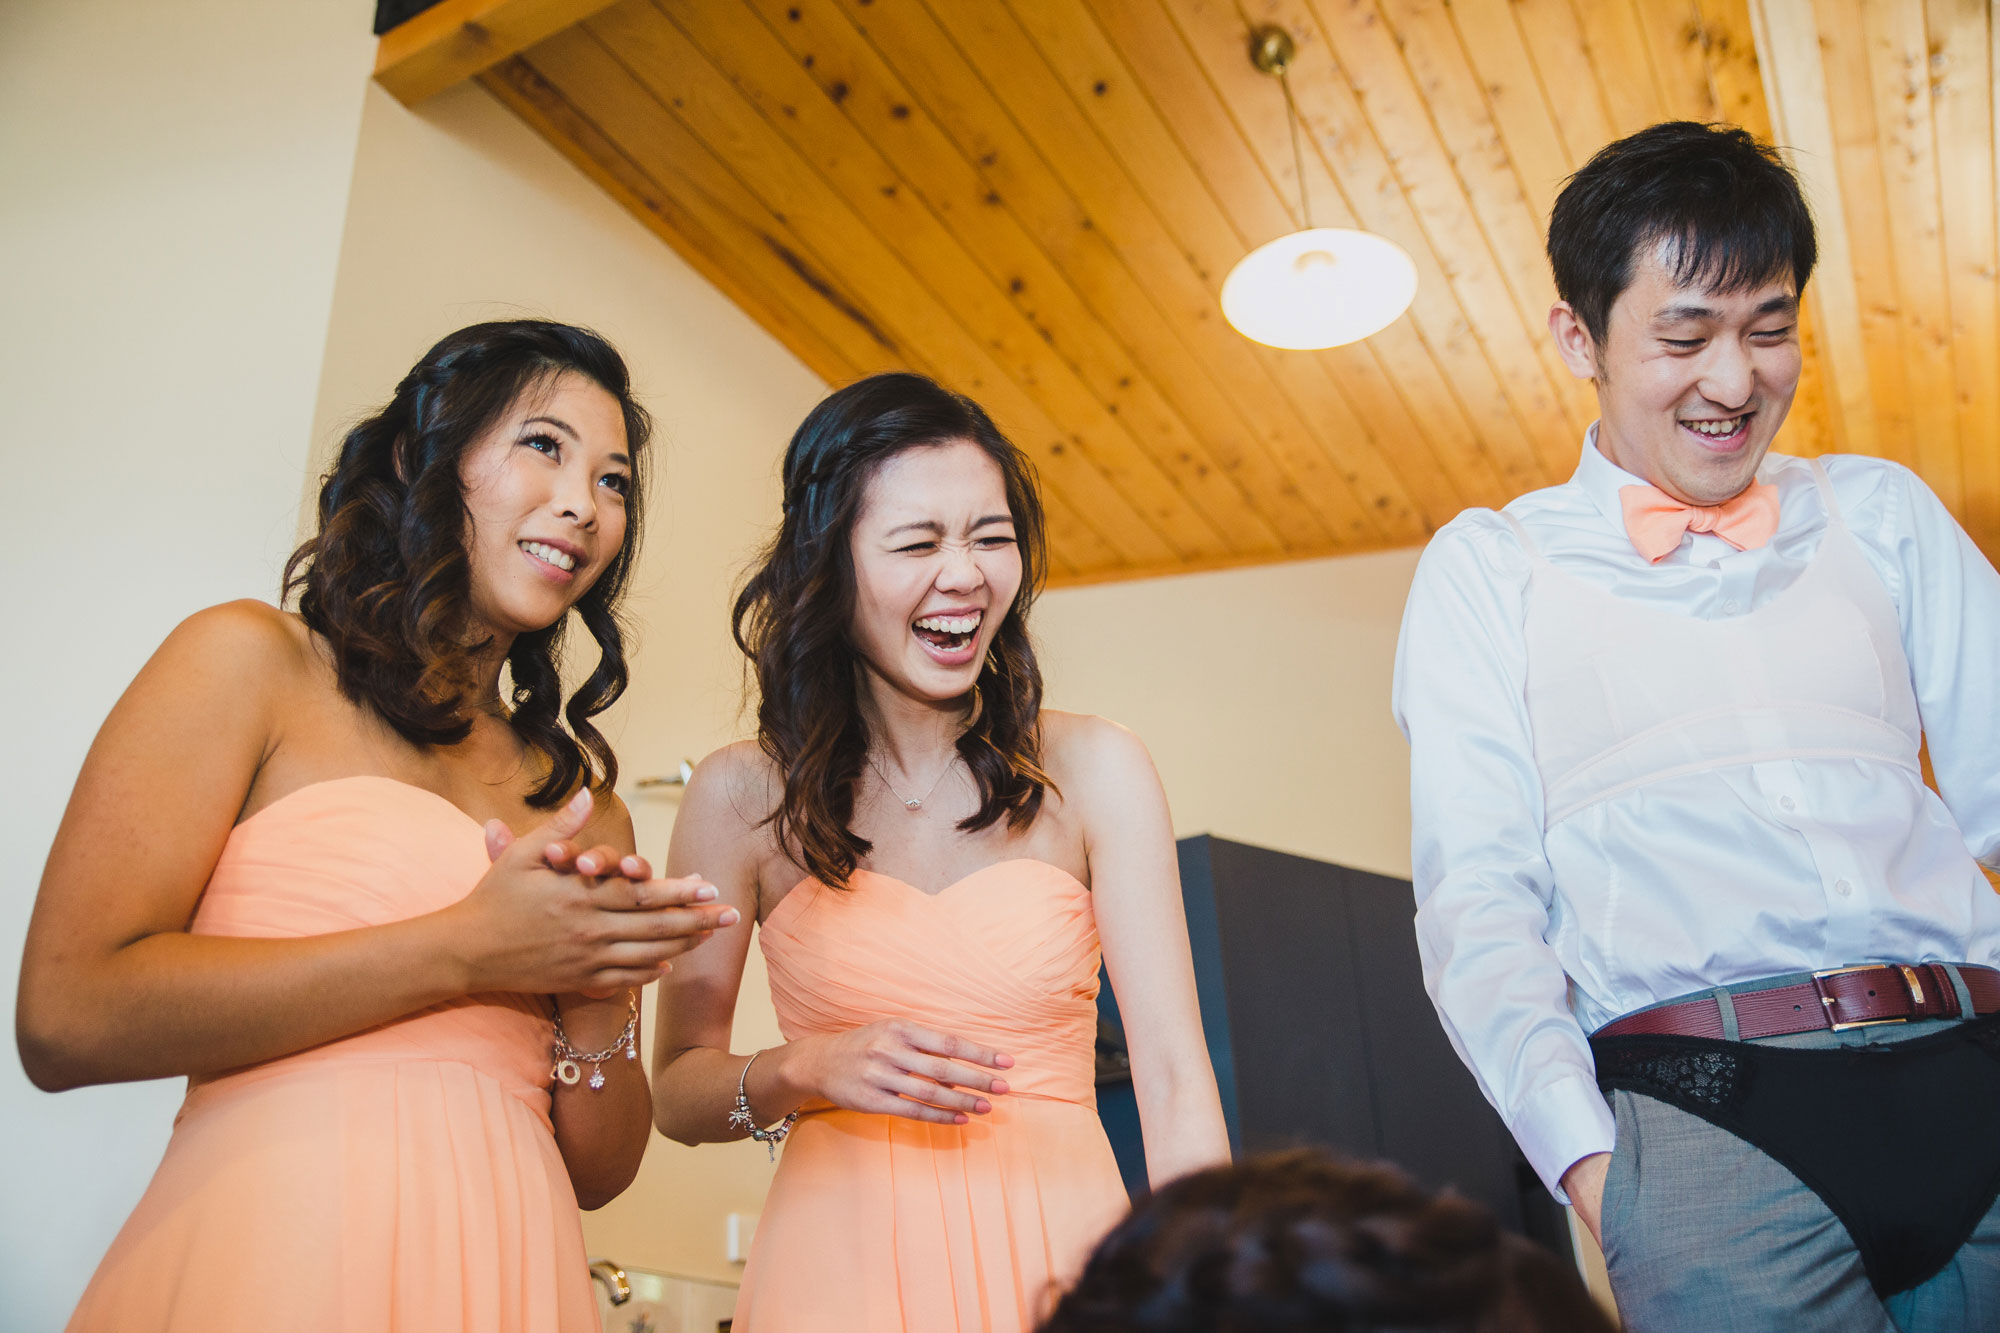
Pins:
x,y
1730,608
1842,887
1788,803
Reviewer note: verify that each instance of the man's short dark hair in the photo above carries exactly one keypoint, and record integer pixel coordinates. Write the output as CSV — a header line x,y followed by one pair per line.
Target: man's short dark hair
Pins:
x,y
1730,207
1302,1242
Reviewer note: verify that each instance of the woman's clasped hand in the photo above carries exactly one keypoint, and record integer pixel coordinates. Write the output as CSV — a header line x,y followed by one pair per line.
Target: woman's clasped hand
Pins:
x,y
895,1067
550,917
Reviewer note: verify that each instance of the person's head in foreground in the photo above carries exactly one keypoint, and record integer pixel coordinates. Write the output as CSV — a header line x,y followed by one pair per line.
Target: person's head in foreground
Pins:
x,y
1680,254
1300,1242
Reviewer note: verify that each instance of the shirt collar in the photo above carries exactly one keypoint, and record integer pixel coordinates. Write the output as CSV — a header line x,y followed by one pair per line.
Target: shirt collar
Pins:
x,y
1601,479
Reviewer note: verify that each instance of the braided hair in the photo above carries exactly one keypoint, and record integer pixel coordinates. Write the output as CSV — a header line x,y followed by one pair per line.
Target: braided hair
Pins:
x,y
385,580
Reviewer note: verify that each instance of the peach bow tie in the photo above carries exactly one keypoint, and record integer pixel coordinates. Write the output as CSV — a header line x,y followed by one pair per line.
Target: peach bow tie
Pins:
x,y
1656,521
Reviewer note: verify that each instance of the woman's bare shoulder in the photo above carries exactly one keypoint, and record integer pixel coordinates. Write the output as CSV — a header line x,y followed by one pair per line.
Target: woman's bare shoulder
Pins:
x,y
250,625
245,649
738,785
610,822
1081,746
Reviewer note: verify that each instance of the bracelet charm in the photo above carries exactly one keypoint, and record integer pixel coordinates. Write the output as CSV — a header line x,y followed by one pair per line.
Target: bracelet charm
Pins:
x,y
740,1117
569,1069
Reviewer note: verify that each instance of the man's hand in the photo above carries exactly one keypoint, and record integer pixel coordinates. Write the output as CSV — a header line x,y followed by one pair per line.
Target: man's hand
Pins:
x,y
1584,1183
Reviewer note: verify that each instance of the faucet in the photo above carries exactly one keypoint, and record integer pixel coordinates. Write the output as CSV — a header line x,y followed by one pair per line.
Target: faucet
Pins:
x,y
616,1285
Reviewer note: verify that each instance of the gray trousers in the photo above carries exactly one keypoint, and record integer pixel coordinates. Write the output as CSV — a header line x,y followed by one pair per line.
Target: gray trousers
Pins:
x,y
1704,1232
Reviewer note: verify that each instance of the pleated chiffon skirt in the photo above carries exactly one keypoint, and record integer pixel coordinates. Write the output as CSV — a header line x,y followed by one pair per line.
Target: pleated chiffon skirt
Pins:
x,y
402,1180
882,1224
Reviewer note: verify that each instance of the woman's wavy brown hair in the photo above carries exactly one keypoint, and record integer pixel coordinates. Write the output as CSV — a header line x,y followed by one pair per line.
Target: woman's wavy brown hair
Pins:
x,y
386,580
792,622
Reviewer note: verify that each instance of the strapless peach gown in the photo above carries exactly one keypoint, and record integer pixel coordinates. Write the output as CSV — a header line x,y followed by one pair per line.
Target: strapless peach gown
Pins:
x,y
879,1224
403,1180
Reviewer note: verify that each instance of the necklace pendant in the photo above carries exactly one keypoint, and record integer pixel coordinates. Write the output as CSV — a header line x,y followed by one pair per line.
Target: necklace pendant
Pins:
x,y
915,803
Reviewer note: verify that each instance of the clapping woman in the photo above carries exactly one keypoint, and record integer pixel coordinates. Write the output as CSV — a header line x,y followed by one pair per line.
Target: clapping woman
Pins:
x,y
406,1068
936,862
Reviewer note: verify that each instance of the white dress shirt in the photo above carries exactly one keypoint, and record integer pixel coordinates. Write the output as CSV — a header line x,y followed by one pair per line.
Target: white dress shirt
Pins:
x,y
1827,861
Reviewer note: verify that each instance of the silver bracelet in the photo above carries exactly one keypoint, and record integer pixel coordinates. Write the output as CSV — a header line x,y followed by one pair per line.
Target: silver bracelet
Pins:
x,y
740,1118
568,1070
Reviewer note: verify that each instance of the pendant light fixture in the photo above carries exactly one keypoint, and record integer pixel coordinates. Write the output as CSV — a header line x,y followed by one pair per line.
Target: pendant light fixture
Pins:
x,y
1323,286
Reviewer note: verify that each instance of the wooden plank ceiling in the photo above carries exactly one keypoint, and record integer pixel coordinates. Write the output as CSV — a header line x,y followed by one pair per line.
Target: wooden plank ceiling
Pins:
x,y
1036,201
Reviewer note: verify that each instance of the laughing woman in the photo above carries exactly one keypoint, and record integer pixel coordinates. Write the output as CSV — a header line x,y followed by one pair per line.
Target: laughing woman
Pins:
x,y
273,879
934,859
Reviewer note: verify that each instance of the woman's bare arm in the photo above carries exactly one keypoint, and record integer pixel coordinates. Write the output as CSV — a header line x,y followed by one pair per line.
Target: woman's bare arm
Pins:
x,y
694,1074
1135,885
114,988
602,1132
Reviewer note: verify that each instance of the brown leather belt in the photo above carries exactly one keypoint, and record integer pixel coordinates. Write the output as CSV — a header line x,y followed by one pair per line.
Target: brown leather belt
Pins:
x,y
1838,998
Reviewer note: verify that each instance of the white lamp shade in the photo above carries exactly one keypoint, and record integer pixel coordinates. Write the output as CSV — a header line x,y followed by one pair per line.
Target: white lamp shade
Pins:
x,y
1319,288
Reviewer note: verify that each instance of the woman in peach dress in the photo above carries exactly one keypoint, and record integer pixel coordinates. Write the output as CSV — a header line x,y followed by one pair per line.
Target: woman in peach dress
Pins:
x,y
934,859
273,879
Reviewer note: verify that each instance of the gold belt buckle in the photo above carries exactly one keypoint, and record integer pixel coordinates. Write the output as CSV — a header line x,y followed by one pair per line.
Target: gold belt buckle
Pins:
x,y
1910,980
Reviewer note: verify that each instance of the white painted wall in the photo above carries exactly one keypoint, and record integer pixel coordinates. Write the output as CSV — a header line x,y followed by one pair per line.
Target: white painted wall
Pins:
x,y
1262,693
175,180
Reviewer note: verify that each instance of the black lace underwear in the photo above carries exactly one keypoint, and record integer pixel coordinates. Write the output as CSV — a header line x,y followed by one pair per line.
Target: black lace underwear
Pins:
x,y
1901,1140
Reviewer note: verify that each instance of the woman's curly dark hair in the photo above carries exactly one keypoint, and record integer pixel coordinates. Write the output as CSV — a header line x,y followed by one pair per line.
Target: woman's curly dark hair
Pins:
x,y
385,580
1300,1242
792,619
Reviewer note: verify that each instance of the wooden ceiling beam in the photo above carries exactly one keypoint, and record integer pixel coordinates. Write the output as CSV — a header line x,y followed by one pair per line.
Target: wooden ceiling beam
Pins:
x,y
1431,113
1345,393
1341,472
747,163
1030,136
754,240
1074,551
1617,52
1962,34
1353,183
1569,80
460,39
1036,201
986,261
1191,502
803,308
1899,61
1492,42
1675,43
1394,374
672,210
1864,189
1222,200
1733,72
1039,136
689,216
1727,36
1795,86
1075,288
1136,507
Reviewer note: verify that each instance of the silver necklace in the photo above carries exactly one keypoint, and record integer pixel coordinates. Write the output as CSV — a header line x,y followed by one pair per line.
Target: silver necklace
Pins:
x,y
911,802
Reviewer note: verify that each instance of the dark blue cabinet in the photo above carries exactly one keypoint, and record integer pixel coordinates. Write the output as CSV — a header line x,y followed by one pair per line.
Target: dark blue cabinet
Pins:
x,y
1321,1033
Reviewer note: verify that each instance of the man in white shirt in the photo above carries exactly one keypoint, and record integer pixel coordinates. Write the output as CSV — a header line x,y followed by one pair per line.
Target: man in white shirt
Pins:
x,y
1665,722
